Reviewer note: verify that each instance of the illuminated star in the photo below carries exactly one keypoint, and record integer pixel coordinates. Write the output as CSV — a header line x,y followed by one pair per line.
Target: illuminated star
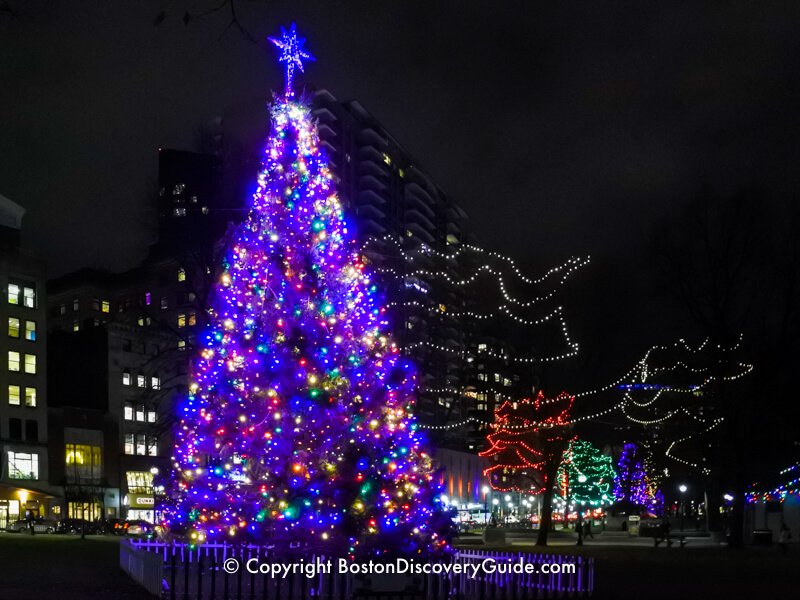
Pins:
x,y
292,54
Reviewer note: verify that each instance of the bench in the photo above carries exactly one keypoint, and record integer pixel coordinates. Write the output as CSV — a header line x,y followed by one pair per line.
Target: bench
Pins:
x,y
681,538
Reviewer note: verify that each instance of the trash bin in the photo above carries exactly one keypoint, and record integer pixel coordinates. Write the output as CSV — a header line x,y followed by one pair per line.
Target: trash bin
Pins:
x,y
762,537
633,525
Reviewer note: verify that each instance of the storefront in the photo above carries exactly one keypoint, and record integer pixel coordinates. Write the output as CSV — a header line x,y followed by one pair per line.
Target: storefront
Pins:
x,y
20,503
141,506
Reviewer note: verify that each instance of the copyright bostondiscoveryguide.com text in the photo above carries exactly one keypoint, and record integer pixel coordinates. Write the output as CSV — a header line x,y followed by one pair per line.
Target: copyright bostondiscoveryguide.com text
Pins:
x,y
400,566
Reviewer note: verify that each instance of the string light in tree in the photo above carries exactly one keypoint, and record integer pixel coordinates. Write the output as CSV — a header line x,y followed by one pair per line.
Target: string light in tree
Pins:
x,y
298,428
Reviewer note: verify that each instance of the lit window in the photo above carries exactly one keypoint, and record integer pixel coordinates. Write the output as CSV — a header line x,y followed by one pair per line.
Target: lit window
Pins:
x,y
13,394
13,361
30,297
95,304
30,364
152,446
181,274
155,383
192,321
22,465
30,397
506,382
30,331
13,327
140,444
129,443
497,377
151,415
127,411
76,305
179,212
181,320
105,306
144,321
62,309
76,326
164,303
147,298
141,381
13,293
139,482
481,347
126,378
140,413
84,463
181,345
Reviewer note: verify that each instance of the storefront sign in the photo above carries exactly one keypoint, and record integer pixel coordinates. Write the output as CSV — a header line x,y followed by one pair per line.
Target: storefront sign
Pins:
x,y
141,501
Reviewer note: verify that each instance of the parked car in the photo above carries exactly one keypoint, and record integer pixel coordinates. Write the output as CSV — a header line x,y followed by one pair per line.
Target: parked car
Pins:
x,y
39,526
75,526
112,527
139,528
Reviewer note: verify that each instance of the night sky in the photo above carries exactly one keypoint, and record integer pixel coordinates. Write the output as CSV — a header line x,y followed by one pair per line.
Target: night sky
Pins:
x,y
562,128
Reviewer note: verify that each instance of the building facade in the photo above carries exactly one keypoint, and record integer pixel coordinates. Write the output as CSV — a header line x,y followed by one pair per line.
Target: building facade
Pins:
x,y
24,462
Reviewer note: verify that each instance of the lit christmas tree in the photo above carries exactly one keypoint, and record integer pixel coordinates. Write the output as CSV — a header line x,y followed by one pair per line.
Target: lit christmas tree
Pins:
x,y
586,475
630,485
298,429
526,446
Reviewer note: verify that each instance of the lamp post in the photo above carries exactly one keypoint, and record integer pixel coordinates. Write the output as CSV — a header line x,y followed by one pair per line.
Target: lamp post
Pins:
x,y
682,488
485,490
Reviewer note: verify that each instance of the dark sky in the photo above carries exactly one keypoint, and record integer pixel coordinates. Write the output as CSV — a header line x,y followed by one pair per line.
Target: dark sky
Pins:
x,y
563,128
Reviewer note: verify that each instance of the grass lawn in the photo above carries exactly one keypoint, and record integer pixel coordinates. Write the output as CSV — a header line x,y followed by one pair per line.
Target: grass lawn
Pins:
x,y
63,567
716,573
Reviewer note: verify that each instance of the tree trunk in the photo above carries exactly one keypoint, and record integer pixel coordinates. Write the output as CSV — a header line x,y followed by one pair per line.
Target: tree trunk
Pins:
x,y
546,522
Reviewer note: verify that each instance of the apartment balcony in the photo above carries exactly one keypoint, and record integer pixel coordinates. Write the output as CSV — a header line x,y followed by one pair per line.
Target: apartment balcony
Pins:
x,y
370,197
370,137
420,231
415,216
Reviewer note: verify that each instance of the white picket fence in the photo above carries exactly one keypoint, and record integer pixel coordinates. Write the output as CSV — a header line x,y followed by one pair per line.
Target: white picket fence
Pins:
x,y
177,571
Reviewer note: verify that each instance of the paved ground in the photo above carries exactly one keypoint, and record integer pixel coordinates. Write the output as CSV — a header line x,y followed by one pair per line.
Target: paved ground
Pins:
x,y
63,567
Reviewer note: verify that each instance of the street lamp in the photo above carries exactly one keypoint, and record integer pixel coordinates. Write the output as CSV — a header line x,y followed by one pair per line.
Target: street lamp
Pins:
x,y
682,488
485,490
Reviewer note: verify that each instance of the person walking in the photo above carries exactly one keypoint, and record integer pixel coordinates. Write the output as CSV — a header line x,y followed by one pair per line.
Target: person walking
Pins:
x,y
587,530
783,538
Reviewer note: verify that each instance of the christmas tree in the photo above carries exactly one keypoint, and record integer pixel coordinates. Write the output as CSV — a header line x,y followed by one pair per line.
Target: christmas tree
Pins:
x,y
630,485
526,447
298,426
586,475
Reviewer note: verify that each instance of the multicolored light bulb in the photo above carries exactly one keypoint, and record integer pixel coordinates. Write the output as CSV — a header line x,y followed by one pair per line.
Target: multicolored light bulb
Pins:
x,y
298,428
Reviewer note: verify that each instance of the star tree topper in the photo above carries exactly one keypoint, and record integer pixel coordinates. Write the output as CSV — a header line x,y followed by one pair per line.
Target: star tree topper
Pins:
x,y
292,54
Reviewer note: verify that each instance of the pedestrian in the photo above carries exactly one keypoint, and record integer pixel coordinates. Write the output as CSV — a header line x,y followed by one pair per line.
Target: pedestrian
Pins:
x,y
783,538
587,530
